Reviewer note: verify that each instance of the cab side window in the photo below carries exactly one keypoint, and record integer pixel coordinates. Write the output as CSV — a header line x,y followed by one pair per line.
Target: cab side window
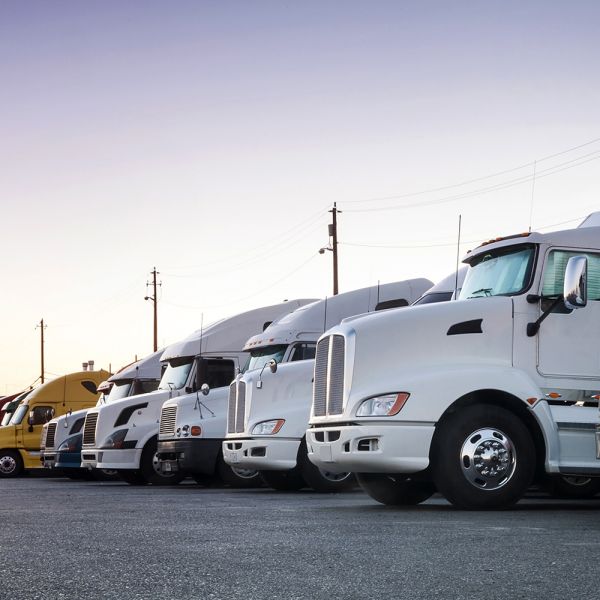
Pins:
x,y
219,373
303,352
554,273
42,414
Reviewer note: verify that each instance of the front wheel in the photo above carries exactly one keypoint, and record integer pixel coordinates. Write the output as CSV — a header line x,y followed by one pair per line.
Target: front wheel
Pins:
x,y
395,490
483,457
236,476
11,464
321,480
150,470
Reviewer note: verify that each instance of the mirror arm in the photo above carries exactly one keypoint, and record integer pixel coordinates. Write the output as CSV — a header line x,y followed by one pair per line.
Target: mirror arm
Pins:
x,y
533,328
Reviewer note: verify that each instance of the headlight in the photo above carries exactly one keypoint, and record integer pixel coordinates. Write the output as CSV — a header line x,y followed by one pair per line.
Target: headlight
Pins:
x,y
115,440
382,406
71,444
268,427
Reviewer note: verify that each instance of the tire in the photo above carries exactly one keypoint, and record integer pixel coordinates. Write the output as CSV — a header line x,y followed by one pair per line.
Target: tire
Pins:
x,y
572,487
149,467
203,480
131,476
483,457
395,490
11,464
105,475
284,481
320,480
236,477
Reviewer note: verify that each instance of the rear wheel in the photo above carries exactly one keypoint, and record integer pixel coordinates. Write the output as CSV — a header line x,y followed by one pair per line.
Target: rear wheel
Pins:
x,y
149,467
284,481
572,486
11,464
322,480
395,490
236,476
483,457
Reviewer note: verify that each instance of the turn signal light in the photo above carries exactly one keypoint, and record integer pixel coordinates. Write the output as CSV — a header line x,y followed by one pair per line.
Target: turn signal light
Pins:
x,y
196,430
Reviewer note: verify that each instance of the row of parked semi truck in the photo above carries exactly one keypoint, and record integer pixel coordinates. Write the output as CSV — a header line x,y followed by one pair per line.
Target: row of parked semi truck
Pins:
x,y
476,388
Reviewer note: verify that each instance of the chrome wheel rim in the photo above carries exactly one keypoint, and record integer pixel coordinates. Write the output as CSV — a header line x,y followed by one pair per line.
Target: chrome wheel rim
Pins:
x,y
334,477
8,465
488,459
156,467
244,473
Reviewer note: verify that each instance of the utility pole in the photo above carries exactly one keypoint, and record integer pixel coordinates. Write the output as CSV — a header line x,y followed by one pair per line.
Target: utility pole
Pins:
x,y
42,327
334,243
154,299
332,228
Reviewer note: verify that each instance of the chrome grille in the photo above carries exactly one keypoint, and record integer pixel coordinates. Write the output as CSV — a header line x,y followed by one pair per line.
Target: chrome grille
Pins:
x,y
50,434
241,407
231,408
168,416
335,386
320,384
89,429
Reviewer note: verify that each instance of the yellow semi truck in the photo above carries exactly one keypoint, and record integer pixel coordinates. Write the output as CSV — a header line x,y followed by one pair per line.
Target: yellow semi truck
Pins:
x,y
20,439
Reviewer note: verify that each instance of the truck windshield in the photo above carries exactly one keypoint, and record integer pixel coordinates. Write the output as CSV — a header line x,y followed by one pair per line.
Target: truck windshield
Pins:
x,y
120,389
261,356
176,374
501,272
18,415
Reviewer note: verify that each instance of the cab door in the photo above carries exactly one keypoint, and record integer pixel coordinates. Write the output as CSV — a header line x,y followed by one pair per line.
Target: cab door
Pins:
x,y
31,427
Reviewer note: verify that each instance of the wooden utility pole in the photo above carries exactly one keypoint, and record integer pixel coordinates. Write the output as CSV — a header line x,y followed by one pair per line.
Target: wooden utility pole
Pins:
x,y
334,246
42,327
154,299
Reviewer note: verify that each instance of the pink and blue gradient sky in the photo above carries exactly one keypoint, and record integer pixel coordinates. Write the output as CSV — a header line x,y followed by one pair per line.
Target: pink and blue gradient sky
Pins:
x,y
209,139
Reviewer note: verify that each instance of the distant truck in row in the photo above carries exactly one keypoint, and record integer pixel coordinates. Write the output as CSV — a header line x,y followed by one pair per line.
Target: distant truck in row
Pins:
x,y
475,398
62,437
269,403
20,439
124,435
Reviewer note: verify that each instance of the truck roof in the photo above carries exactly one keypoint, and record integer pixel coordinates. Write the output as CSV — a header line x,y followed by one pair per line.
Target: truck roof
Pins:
x,y
145,368
55,388
586,235
229,334
311,320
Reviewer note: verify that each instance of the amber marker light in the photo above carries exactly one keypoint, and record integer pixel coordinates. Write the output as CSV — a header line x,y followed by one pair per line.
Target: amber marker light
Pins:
x,y
531,401
196,430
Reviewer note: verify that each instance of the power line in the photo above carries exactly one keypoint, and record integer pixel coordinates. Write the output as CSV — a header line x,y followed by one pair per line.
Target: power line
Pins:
x,y
474,180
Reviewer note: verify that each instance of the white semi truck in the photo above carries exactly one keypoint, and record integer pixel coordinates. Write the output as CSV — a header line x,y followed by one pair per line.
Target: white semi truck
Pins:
x,y
269,404
123,435
474,398
137,378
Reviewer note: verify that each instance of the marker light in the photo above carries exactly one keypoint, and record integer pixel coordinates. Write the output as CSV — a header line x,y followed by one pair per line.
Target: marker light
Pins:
x,y
382,406
196,430
268,427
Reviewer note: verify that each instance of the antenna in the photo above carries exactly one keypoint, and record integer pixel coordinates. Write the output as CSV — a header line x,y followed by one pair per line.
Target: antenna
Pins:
x,y
201,326
532,192
457,258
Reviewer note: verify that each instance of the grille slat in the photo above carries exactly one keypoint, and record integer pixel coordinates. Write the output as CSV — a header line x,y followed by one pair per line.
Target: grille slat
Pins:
x,y
89,429
241,407
231,408
50,435
168,417
320,384
336,376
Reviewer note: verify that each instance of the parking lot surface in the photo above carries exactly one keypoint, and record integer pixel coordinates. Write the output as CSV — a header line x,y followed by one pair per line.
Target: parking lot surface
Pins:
x,y
87,540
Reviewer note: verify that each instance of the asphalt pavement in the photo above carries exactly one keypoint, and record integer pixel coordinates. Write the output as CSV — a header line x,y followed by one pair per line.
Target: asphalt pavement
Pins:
x,y
64,539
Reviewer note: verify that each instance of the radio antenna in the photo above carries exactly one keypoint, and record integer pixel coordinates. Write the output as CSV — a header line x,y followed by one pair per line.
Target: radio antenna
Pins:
x,y
201,332
532,192
457,258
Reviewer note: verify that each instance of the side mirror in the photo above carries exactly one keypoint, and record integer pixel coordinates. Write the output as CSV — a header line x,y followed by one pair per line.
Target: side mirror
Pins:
x,y
30,419
205,389
201,369
273,365
575,283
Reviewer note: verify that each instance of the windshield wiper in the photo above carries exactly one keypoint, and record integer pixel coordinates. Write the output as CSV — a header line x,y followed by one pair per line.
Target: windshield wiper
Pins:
x,y
485,291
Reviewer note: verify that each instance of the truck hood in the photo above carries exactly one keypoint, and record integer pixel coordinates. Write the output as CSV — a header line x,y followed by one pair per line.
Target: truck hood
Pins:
x,y
382,346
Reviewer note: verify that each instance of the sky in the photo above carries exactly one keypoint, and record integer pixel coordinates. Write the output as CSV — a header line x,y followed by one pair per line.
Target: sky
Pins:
x,y
210,140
